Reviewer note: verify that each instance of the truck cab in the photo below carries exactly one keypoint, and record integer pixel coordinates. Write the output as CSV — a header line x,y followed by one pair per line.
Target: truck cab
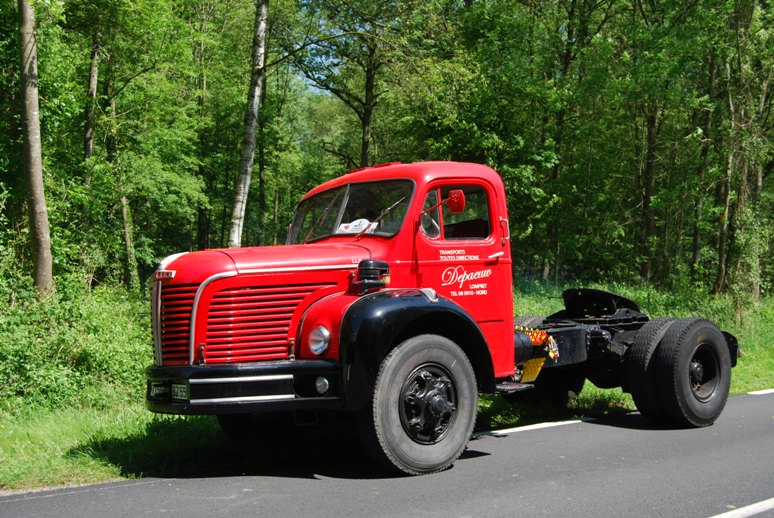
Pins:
x,y
392,301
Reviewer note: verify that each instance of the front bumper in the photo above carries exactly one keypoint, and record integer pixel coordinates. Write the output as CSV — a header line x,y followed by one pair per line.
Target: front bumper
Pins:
x,y
242,387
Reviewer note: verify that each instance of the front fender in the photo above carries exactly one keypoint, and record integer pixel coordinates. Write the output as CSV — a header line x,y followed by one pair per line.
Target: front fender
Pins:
x,y
379,321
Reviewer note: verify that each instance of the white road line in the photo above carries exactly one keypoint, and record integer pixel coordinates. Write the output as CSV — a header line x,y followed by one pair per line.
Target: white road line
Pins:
x,y
750,510
528,428
762,392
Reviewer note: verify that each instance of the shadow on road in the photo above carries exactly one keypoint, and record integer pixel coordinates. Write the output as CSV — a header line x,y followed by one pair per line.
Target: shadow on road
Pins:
x,y
195,447
628,420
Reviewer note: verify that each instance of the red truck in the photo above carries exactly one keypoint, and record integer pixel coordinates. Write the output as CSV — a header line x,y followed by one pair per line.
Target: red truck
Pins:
x,y
392,301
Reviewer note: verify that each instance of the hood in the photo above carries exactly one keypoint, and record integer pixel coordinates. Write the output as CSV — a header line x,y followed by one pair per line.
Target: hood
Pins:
x,y
196,267
301,257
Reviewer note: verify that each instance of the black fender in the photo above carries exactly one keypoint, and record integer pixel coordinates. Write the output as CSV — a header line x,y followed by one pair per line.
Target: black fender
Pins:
x,y
379,321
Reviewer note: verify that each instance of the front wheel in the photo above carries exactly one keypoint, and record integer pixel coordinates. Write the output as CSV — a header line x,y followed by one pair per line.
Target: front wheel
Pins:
x,y
424,406
693,369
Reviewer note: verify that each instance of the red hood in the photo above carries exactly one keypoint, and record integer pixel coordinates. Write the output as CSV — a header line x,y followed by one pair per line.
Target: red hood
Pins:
x,y
310,257
195,267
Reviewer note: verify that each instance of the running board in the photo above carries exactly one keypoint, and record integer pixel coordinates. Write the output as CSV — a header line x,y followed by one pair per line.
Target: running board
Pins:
x,y
509,387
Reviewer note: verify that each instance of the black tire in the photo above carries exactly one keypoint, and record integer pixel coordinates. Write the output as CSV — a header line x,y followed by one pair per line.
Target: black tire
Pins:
x,y
424,406
243,427
641,369
693,369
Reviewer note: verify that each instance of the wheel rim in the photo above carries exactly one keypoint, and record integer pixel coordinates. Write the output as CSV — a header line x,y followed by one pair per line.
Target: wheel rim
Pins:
x,y
704,373
428,403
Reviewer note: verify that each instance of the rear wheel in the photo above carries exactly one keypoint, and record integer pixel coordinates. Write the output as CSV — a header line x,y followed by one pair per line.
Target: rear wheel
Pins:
x,y
693,369
641,367
424,406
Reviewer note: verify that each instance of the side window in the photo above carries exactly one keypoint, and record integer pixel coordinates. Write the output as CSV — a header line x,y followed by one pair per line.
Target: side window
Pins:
x,y
473,222
429,221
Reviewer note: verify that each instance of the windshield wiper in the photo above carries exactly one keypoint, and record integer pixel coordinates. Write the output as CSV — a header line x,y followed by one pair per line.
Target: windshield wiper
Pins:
x,y
380,217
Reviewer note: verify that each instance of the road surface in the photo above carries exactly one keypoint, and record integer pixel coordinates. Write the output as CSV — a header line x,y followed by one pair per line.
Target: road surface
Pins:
x,y
614,466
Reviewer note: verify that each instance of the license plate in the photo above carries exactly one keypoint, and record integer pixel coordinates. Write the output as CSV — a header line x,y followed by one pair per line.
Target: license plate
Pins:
x,y
179,391
157,390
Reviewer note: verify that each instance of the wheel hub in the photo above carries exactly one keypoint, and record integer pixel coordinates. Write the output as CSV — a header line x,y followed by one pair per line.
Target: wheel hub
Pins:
x,y
428,404
704,373
697,372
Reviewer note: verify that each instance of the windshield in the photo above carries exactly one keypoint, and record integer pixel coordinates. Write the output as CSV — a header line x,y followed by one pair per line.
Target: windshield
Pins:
x,y
376,208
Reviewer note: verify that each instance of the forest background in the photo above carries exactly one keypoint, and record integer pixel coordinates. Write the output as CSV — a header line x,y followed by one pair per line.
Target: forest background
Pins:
x,y
633,137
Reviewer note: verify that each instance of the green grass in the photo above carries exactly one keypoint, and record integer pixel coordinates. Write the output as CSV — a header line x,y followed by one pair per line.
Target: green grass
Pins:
x,y
497,413
81,446
92,427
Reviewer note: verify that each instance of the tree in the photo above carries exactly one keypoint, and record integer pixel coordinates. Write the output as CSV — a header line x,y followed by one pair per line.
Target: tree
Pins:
x,y
748,76
257,80
345,54
38,212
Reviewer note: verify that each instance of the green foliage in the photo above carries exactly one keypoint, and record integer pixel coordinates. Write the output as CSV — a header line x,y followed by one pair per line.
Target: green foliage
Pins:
x,y
613,127
75,349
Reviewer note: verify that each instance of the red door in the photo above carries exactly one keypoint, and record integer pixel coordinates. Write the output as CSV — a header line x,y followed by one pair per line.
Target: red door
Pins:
x,y
465,257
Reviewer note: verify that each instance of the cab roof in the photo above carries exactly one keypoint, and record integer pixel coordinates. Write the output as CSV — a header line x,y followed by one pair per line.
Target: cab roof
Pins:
x,y
420,172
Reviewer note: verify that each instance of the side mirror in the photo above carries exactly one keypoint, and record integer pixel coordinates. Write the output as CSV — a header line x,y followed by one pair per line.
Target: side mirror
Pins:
x,y
456,201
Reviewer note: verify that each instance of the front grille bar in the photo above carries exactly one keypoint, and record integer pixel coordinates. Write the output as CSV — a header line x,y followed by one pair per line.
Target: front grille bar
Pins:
x,y
156,322
195,308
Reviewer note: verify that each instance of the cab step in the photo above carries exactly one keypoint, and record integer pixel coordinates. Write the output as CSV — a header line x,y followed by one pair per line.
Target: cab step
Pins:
x,y
509,387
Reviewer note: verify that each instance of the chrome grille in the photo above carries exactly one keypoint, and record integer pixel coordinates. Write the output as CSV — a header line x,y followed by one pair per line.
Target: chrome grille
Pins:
x,y
253,323
176,303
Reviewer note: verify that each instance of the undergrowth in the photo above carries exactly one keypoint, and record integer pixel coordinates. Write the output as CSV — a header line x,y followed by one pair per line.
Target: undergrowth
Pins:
x,y
79,348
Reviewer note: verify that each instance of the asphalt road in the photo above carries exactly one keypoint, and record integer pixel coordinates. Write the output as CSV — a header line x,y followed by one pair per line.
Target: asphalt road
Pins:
x,y
616,466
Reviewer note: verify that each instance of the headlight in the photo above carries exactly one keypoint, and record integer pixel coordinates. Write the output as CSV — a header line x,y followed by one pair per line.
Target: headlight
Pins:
x,y
319,339
322,385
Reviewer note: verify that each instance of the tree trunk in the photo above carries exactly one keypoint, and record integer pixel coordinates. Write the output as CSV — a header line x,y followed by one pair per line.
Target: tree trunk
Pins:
x,y
276,214
652,116
368,107
130,274
131,277
91,99
38,213
251,122
706,127
261,175
199,53
88,151
722,270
